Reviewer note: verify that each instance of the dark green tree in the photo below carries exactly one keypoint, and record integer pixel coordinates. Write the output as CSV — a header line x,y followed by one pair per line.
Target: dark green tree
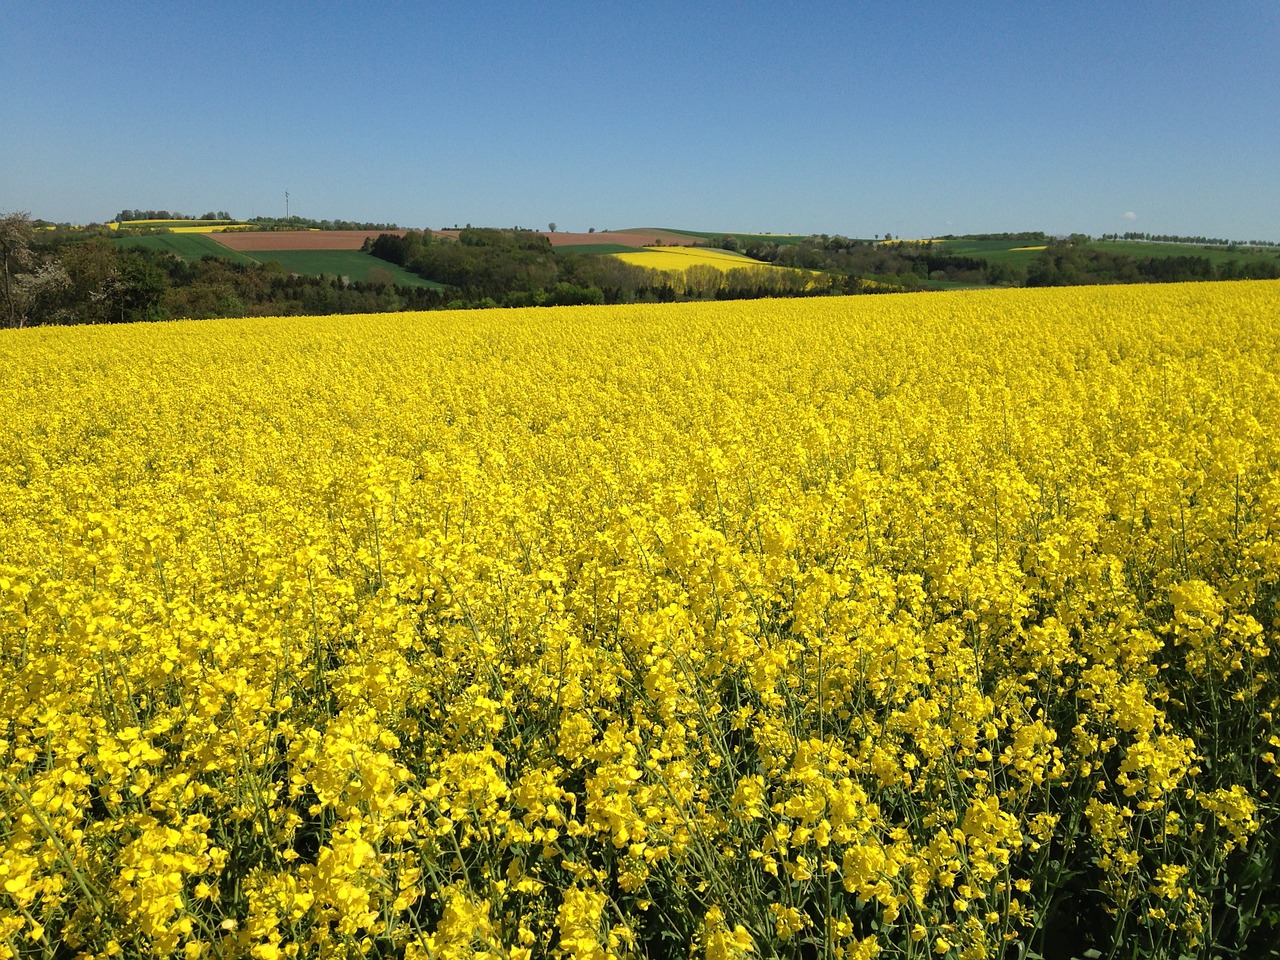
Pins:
x,y
15,252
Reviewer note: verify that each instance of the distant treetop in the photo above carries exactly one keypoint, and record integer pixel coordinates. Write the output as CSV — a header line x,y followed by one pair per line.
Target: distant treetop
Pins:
x,y
305,223
262,223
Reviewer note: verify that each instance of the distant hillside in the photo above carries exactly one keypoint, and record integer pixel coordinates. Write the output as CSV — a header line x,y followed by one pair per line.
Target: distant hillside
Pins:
x,y
154,265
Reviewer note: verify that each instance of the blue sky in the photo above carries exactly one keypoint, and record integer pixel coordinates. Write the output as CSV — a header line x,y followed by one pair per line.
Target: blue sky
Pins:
x,y
916,118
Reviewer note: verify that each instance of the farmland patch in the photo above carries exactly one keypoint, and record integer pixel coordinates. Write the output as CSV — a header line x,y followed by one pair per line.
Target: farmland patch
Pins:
x,y
185,246
298,239
353,264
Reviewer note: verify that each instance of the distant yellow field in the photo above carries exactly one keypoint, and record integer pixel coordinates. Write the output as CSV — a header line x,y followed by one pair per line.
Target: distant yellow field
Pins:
x,y
681,258
212,228
699,272
182,226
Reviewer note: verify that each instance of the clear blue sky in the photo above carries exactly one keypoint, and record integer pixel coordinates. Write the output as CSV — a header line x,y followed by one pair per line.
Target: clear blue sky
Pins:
x,y
916,118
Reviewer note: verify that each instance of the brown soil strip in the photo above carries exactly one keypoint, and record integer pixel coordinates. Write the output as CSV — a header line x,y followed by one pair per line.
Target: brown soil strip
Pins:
x,y
250,240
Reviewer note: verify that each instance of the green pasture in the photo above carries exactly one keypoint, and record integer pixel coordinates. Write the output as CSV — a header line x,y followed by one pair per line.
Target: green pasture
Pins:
x,y
993,251
1215,255
185,246
353,264
1005,251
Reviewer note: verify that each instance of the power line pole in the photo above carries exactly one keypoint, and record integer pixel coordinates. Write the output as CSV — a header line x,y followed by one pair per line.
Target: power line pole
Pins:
x,y
286,204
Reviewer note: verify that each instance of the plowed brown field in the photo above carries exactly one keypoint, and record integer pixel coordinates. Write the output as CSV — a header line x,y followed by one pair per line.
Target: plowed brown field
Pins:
x,y
297,239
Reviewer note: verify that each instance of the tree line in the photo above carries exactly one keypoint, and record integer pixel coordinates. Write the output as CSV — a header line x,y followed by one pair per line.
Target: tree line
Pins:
x,y
1067,263
60,277
515,268
913,265
127,214
80,276
128,220
1197,241
306,223
901,265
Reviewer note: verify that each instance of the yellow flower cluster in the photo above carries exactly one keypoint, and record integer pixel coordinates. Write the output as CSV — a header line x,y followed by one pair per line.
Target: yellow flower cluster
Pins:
x,y
938,624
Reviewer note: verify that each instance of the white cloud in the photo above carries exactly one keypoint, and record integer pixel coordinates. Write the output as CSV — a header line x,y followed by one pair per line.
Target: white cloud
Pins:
x,y
1130,215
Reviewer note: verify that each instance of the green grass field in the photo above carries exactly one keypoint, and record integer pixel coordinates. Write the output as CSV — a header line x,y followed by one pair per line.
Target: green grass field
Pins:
x,y
1005,251
185,246
993,251
1215,255
354,264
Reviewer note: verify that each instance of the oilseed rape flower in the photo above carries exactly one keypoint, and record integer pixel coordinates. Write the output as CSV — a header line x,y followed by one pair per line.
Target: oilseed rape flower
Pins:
x,y
844,627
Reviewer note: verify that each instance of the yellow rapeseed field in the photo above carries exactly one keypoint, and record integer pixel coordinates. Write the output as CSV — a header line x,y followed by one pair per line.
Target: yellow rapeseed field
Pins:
x,y
181,226
702,272
681,258
913,626
212,228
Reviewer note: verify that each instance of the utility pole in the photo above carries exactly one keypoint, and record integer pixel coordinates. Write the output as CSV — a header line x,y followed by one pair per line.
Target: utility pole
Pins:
x,y
286,204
